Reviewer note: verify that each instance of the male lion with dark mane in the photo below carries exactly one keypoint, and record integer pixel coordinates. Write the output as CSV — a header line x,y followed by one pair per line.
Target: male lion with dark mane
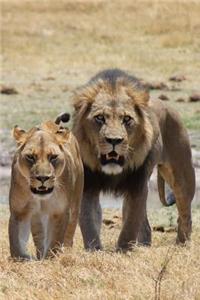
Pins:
x,y
123,135
46,189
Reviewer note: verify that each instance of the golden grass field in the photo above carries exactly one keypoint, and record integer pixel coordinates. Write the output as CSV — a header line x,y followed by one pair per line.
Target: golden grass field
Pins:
x,y
164,271
48,48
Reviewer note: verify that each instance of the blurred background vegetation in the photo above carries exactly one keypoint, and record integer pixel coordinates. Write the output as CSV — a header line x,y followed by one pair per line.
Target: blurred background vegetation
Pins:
x,y
51,47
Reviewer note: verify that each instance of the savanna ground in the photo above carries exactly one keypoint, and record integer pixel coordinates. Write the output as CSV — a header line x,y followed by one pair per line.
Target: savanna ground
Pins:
x,y
48,48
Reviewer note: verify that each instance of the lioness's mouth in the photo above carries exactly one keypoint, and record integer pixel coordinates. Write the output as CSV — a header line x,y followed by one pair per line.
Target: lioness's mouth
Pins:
x,y
41,190
112,157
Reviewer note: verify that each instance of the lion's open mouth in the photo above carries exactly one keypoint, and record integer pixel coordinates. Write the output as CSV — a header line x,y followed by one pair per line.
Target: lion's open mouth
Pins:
x,y
42,190
112,158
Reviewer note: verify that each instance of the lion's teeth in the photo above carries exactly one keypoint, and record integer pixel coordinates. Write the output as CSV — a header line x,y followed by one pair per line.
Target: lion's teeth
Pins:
x,y
115,156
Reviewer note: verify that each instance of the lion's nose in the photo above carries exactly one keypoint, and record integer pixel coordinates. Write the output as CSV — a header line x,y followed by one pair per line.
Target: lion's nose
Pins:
x,y
42,178
114,141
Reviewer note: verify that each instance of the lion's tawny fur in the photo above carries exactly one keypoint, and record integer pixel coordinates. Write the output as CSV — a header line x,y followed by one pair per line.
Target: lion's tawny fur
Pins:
x,y
123,135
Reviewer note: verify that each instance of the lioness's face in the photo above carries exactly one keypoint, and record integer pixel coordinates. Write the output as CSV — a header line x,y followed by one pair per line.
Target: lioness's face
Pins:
x,y
41,161
112,124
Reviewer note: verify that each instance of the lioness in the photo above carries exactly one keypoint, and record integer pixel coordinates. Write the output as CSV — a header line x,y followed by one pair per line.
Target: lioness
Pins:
x,y
122,135
46,189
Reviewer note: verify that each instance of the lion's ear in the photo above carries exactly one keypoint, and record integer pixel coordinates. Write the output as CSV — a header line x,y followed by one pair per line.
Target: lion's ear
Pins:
x,y
80,102
141,99
83,99
81,107
19,135
145,98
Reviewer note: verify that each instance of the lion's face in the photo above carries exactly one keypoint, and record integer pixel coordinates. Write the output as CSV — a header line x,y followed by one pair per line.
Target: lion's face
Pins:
x,y
41,159
112,123
112,127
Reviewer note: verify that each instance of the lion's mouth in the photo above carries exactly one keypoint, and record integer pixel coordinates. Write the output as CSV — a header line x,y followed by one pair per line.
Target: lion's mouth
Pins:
x,y
42,190
112,158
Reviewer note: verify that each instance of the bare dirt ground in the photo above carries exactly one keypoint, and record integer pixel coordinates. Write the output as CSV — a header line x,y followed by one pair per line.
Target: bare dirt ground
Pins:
x,y
48,48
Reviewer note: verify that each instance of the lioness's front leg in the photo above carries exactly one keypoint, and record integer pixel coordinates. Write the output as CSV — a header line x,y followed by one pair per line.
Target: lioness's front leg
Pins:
x,y
48,233
90,220
55,232
134,217
39,225
74,213
19,230
71,227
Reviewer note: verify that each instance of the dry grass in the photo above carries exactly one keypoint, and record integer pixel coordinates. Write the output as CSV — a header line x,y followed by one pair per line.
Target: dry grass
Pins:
x,y
77,274
97,34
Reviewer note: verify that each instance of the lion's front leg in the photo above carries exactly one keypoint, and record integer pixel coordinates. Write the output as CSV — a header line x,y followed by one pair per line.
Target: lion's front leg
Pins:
x,y
90,220
134,220
144,236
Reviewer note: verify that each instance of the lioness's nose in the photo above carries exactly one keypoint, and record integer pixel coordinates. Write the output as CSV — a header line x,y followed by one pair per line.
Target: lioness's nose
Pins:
x,y
42,178
114,142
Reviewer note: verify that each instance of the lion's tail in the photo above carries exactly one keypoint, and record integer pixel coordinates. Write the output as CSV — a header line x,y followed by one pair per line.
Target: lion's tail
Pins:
x,y
63,117
161,190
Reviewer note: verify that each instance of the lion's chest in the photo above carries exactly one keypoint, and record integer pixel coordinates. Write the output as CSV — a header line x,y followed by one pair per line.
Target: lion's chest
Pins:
x,y
127,180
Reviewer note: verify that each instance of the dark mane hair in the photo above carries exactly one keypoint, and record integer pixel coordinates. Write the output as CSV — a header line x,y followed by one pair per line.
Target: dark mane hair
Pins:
x,y
111,76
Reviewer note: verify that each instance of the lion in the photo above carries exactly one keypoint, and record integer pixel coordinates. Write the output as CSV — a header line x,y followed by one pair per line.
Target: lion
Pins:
x,y
46,189
122,136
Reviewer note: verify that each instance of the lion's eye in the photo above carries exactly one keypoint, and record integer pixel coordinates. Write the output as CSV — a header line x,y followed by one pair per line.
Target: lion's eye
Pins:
x,y
99,119
30,158
53,157
126,120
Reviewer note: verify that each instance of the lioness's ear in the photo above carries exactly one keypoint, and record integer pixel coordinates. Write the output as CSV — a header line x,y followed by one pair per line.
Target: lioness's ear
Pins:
x,y
19,134
62,135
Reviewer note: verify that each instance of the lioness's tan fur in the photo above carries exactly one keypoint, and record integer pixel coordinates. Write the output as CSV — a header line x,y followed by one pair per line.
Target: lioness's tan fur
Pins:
x,y
47,160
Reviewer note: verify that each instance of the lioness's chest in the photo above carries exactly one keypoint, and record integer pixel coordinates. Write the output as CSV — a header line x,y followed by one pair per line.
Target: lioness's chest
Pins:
x,y
50,204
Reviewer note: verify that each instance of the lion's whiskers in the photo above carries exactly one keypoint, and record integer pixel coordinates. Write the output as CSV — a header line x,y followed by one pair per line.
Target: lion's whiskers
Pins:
x,y
131,149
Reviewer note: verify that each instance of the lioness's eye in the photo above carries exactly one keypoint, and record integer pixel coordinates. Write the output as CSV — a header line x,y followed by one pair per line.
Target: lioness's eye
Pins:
x,y
30,158
126,120
99,119
53,157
